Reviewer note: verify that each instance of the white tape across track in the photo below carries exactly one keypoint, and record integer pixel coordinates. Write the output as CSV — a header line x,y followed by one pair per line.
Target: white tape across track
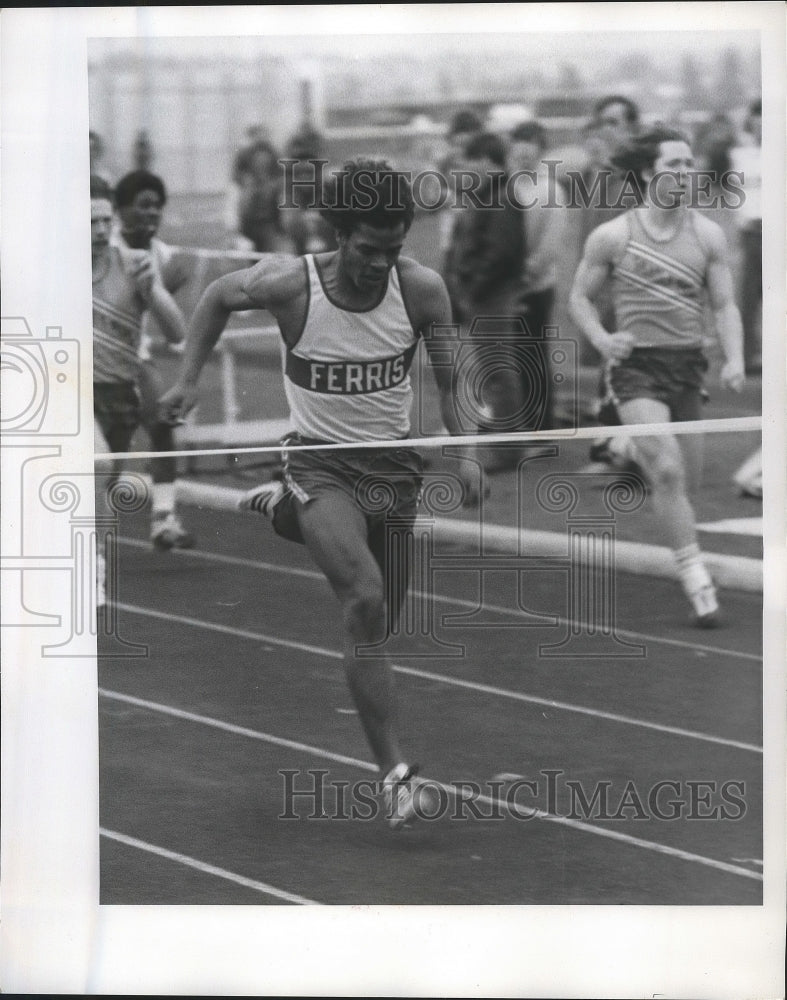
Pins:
x,y
725,425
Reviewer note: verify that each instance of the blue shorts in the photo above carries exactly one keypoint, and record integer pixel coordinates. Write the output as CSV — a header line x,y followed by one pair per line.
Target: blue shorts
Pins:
x,y
382,483
673,376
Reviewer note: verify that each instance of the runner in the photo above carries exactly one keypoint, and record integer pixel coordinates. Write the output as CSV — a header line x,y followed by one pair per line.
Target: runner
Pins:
x,y
125,285
665,261
139,200
351,320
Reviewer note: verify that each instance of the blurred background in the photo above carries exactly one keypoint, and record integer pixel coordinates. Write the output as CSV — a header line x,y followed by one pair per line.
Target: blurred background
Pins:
x,y
191,110
191,101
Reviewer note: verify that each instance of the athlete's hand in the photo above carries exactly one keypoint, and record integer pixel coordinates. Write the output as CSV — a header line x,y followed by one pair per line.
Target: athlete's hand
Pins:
x,y
144,275
176,403
618,345
732,375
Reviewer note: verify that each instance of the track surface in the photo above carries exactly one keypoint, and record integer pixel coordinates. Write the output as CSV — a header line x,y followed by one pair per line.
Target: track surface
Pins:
x,y
243,680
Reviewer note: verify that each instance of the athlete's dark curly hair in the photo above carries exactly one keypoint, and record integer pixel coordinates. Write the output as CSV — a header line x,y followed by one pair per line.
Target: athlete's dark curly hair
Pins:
x,y
129,186
367,191
642,152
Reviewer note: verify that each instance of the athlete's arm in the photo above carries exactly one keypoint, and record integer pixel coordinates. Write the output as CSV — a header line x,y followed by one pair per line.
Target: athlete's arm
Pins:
x,y
434,310
165,310
727,318
245,289
601,250
162,307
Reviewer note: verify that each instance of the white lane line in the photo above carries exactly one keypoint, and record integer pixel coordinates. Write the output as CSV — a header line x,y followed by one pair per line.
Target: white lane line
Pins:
x,y
567,707
239,633
460,602
206,869
443,679
230,727
516,810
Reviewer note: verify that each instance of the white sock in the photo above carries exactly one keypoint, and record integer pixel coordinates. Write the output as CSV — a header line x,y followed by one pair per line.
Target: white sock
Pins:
x,y
163,498
692,571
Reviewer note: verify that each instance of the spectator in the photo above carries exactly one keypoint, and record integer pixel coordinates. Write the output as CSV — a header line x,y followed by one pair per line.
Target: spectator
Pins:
x,y
713,143
484,258
483,275
305,227
259,212
746,157
464,126
242,173
544,240
97,168
143,151
614,124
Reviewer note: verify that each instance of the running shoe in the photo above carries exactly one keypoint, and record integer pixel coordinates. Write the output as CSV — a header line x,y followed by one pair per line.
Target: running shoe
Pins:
x,y
398,788
706,606
166,532
263,499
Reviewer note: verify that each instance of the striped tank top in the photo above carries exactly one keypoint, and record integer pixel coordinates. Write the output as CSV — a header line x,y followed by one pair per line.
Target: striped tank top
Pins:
x,y
658,286
117,323
347,378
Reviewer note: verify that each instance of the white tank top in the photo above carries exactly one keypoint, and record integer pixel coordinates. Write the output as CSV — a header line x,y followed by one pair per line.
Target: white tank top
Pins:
x,y
347,378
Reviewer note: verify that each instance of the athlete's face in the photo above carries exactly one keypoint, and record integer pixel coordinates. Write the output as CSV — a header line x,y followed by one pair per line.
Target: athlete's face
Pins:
x,y
100,224
369,253
140,220
674,158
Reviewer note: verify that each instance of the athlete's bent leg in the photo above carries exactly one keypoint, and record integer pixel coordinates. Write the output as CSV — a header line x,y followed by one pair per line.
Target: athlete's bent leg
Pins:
x,y
166,530
335,533
662,462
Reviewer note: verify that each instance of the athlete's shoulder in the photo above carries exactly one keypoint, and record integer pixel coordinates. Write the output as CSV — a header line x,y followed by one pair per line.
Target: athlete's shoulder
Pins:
x,y
608,239
275,277
418,279
709,233
424,293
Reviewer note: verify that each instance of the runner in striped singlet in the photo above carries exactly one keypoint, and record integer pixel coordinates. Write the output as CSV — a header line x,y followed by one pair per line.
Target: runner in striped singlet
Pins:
x,y
125,286
351,320
667,263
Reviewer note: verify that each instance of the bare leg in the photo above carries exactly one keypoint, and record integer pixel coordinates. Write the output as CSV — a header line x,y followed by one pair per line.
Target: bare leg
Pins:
x,y
662,462
335,533
166,530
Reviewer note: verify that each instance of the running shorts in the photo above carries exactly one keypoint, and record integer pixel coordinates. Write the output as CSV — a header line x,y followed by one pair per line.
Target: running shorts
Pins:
x,y
383,484
117,409
670,375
